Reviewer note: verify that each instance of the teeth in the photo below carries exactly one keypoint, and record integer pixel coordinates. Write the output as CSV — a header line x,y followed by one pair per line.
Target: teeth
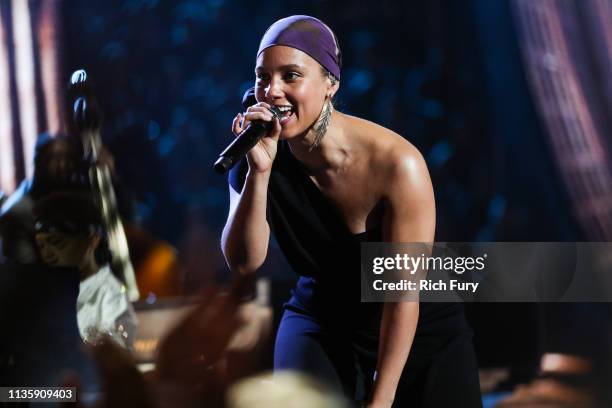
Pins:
x,y
284,108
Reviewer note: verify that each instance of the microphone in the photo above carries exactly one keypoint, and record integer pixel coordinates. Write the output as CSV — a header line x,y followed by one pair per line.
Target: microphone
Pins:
x,y
244,142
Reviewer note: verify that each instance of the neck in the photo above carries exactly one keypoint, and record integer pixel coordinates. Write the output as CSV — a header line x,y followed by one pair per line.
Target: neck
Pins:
x,y
88,268
331,153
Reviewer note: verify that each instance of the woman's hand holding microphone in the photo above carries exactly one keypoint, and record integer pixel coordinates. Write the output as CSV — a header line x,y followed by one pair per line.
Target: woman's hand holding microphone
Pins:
x,y
260,157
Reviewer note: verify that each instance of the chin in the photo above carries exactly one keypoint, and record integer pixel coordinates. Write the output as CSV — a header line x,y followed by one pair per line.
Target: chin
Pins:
x,y
287,135
291,133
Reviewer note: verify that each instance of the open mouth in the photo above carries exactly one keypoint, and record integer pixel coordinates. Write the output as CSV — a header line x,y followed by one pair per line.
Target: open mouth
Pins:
x,y
284,113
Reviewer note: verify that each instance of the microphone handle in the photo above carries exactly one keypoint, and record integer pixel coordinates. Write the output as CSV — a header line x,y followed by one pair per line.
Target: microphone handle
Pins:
x,y
241,145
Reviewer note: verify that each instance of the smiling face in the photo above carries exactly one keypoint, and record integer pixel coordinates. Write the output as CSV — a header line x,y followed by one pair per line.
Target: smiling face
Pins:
x,y
293,81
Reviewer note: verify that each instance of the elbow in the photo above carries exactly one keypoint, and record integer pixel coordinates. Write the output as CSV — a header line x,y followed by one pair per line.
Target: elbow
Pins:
x,y
244,270
242,267
240,256
239,262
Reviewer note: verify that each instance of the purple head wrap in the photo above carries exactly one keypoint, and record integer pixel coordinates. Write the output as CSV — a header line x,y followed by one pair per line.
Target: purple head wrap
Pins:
x,y
306,34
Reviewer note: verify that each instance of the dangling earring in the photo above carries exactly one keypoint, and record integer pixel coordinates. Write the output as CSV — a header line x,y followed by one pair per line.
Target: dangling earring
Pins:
x,y
320,128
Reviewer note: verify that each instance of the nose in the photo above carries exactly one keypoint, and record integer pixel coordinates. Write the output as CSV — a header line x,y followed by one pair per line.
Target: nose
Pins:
x,y
274,89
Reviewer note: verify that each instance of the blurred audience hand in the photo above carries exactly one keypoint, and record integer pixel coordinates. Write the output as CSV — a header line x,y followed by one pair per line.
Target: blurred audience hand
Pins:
x,y
192,353
122,384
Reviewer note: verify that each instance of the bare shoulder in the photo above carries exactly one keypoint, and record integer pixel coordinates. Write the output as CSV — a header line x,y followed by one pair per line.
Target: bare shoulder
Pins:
x,y
392,157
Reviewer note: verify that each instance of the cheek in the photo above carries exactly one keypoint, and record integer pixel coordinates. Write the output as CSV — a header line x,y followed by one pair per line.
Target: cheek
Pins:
x,y
51,255
310,108
260,93
71,254
313,96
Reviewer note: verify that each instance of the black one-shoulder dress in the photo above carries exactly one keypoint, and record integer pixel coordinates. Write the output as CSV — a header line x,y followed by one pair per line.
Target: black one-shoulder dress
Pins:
x,y
326,331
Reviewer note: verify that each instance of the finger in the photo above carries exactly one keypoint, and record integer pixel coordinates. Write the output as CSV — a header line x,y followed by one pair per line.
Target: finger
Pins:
x,y
259,108
277,127
266,116
237,124
262,104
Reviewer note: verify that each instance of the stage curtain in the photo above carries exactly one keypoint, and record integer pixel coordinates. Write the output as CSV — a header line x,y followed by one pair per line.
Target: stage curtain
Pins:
x,y
566,48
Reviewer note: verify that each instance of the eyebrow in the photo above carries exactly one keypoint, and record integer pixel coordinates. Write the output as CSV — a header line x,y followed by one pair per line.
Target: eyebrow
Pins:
x,y
282,67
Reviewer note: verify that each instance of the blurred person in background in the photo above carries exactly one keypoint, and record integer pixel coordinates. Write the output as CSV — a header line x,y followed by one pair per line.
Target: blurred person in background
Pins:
x,y
56,167
324,182
69,233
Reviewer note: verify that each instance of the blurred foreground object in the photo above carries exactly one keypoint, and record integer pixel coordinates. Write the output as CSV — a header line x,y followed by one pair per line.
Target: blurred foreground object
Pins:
x,y
244,350
563,382
85,119
282,390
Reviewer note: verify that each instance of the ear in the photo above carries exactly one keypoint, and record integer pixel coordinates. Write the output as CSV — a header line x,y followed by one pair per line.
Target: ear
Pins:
x,y
94,241
332,87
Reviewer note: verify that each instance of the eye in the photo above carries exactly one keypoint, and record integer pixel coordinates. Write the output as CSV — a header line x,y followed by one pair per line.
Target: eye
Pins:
x,y
291,76
57,241
261,76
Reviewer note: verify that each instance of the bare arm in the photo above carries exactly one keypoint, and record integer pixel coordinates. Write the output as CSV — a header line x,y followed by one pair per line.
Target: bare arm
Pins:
x,y
409,217
246,234
245,238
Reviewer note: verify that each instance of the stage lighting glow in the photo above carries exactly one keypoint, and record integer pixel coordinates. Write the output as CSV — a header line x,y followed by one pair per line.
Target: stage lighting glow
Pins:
x,y
7,163
25,78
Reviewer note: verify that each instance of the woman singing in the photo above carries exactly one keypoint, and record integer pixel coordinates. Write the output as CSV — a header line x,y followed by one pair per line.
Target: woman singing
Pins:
x,y
323,182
